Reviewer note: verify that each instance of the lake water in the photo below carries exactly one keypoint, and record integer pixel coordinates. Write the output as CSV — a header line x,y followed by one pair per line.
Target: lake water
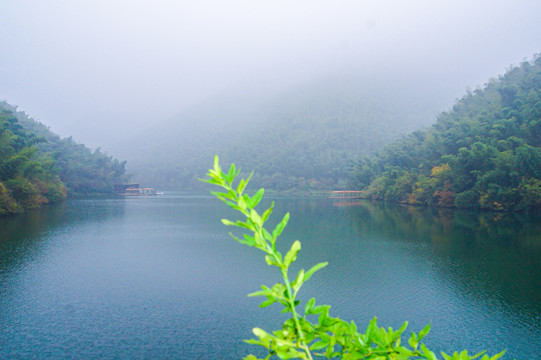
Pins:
x,y
159,278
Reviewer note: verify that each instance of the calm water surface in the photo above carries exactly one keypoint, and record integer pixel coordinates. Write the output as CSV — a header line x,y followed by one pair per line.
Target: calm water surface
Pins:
x,y
160,278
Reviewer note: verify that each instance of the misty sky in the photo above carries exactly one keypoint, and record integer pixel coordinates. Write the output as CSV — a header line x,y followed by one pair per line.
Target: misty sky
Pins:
x,y
100,69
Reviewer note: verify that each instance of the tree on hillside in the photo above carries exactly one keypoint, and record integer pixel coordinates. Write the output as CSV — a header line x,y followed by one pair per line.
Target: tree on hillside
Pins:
x,y
483,153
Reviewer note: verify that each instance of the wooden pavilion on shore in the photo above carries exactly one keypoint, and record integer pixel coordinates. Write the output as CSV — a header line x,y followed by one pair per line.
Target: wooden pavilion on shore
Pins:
x,y
133,190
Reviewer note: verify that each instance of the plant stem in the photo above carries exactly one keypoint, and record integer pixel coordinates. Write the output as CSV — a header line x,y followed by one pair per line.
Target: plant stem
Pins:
x,y
291,301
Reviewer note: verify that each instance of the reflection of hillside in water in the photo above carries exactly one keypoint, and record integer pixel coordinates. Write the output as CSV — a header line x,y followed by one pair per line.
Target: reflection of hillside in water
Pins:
x,y
493,257
19,235
24,236
474,276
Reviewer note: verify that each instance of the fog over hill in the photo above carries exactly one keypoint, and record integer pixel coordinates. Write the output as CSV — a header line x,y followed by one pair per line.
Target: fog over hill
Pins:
x,y
302,137
293,90
101,71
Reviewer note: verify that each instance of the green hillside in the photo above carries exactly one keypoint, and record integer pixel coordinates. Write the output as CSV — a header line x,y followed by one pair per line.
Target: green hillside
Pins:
x,y
37,166
305,137
483,153
28,178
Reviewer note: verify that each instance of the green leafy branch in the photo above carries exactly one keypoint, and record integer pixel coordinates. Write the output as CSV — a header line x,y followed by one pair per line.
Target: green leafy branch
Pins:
x,y
301,337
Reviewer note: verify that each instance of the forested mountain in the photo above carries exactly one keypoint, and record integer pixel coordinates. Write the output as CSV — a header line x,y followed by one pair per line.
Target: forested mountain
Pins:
x,y
37,166
483,153
305,137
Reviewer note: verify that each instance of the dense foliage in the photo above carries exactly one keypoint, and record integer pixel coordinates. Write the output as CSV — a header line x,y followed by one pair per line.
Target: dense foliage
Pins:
x,y
82,170
311,331
38,167
483,153
28,178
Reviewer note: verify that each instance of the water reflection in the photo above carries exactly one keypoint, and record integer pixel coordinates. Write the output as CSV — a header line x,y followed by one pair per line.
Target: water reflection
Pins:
x,y
494,253
160,278
24,235
474,276
19,235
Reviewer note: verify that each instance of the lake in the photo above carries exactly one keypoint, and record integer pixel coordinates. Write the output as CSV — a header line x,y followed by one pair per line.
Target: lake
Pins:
x,y
159,277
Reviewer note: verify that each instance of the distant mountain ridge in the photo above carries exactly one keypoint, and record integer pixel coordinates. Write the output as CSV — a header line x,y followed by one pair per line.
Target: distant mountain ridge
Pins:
x,y
305,137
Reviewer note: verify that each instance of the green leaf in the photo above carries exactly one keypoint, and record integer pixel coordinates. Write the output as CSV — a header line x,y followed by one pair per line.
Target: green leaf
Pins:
x,y
313,269
270,261
241,204
280,227
264,292
477,355
372,328
232,205
232,195
260,333
321,309
309,305
265,343
266,235
244,225
228,222
249,177
231,174
250,241
267,212
448,357
424,332
286,309
402,328
428,354
254,216
498,355
257,197
278,290
297,283
319,345
218,194
259,242
291,255
237,239
413,341
210,181
241,186
267,303
221,196
216,164
247,200
352,328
